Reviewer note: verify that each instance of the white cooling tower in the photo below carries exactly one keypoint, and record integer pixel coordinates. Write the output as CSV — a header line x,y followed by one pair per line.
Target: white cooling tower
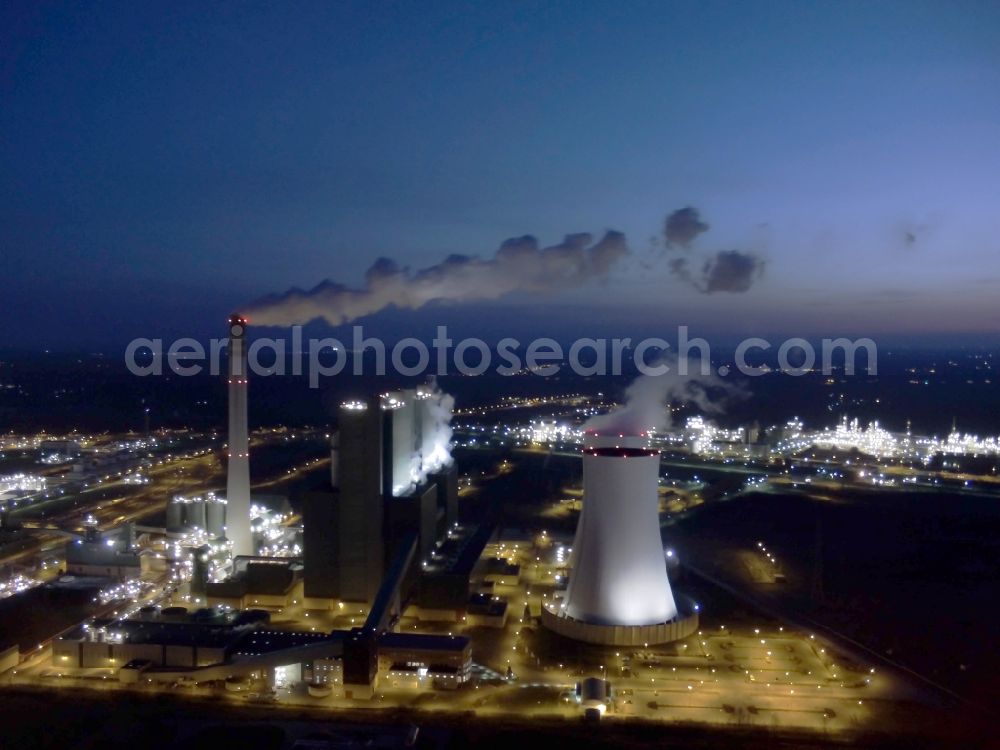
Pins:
x,y
618,569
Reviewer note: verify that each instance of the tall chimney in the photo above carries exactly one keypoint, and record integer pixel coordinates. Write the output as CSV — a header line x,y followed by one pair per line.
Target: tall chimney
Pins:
x,y
238,482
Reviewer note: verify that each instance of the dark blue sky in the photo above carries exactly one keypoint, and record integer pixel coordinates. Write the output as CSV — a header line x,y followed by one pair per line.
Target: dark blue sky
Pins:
x,y
163,164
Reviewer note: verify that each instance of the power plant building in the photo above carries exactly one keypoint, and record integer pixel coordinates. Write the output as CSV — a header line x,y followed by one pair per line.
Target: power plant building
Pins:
x,y
362,481
391,477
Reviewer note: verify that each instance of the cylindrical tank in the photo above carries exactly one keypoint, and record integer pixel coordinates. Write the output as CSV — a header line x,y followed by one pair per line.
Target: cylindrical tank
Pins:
x,y
619,574
194,513
215,517
175,515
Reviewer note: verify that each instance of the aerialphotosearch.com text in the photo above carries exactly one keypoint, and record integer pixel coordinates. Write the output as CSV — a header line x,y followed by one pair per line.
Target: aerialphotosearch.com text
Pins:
x,y
320,358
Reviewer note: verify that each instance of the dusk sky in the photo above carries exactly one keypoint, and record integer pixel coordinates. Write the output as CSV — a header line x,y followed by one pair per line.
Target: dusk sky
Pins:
x,y
162,165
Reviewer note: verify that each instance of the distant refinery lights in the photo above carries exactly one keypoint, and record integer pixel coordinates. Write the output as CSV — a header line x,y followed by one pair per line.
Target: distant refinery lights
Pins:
x,y
875,440
702,437
16,484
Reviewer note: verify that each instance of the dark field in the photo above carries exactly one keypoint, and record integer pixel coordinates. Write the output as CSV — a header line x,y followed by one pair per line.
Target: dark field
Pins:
x,y
91,719
913,576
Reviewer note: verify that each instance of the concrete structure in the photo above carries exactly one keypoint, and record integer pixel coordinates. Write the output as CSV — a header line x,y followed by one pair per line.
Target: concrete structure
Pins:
x,y
680,627
449,583
402,443
379,495
360,545
421,661
164,638
321,546
618,592
446,480
256,582
619,572
210,645
113,555
238,479
417,511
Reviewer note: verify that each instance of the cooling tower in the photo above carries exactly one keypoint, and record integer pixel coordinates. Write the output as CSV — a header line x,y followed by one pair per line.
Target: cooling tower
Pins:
x,y
619,593
238,481
619,573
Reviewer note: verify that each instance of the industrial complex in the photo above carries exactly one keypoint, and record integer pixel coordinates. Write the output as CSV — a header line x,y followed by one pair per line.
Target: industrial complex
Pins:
x,y
374,578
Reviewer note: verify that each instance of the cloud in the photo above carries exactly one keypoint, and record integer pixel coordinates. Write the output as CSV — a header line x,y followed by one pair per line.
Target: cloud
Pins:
x,y
727,271
683,226
518,265
730,271
680,268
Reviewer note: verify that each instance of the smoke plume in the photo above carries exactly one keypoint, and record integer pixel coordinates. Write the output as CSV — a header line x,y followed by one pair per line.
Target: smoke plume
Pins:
x,y
683,226
731,271
726,271
649,397
437,431
519,265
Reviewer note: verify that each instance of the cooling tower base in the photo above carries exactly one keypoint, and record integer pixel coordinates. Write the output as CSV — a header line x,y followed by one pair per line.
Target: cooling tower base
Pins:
x,y
681,627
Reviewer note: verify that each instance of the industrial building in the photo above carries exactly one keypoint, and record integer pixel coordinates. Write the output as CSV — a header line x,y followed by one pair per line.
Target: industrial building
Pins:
x,y
256,582
389,477
114,555
220,645
384,534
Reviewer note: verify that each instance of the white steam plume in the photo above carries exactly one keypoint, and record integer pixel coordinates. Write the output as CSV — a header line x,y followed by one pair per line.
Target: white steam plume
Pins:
x,y
519,265
648,399
437,430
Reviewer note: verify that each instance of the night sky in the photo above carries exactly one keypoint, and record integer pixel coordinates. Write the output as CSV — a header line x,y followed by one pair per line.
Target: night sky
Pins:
x,y
164,164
